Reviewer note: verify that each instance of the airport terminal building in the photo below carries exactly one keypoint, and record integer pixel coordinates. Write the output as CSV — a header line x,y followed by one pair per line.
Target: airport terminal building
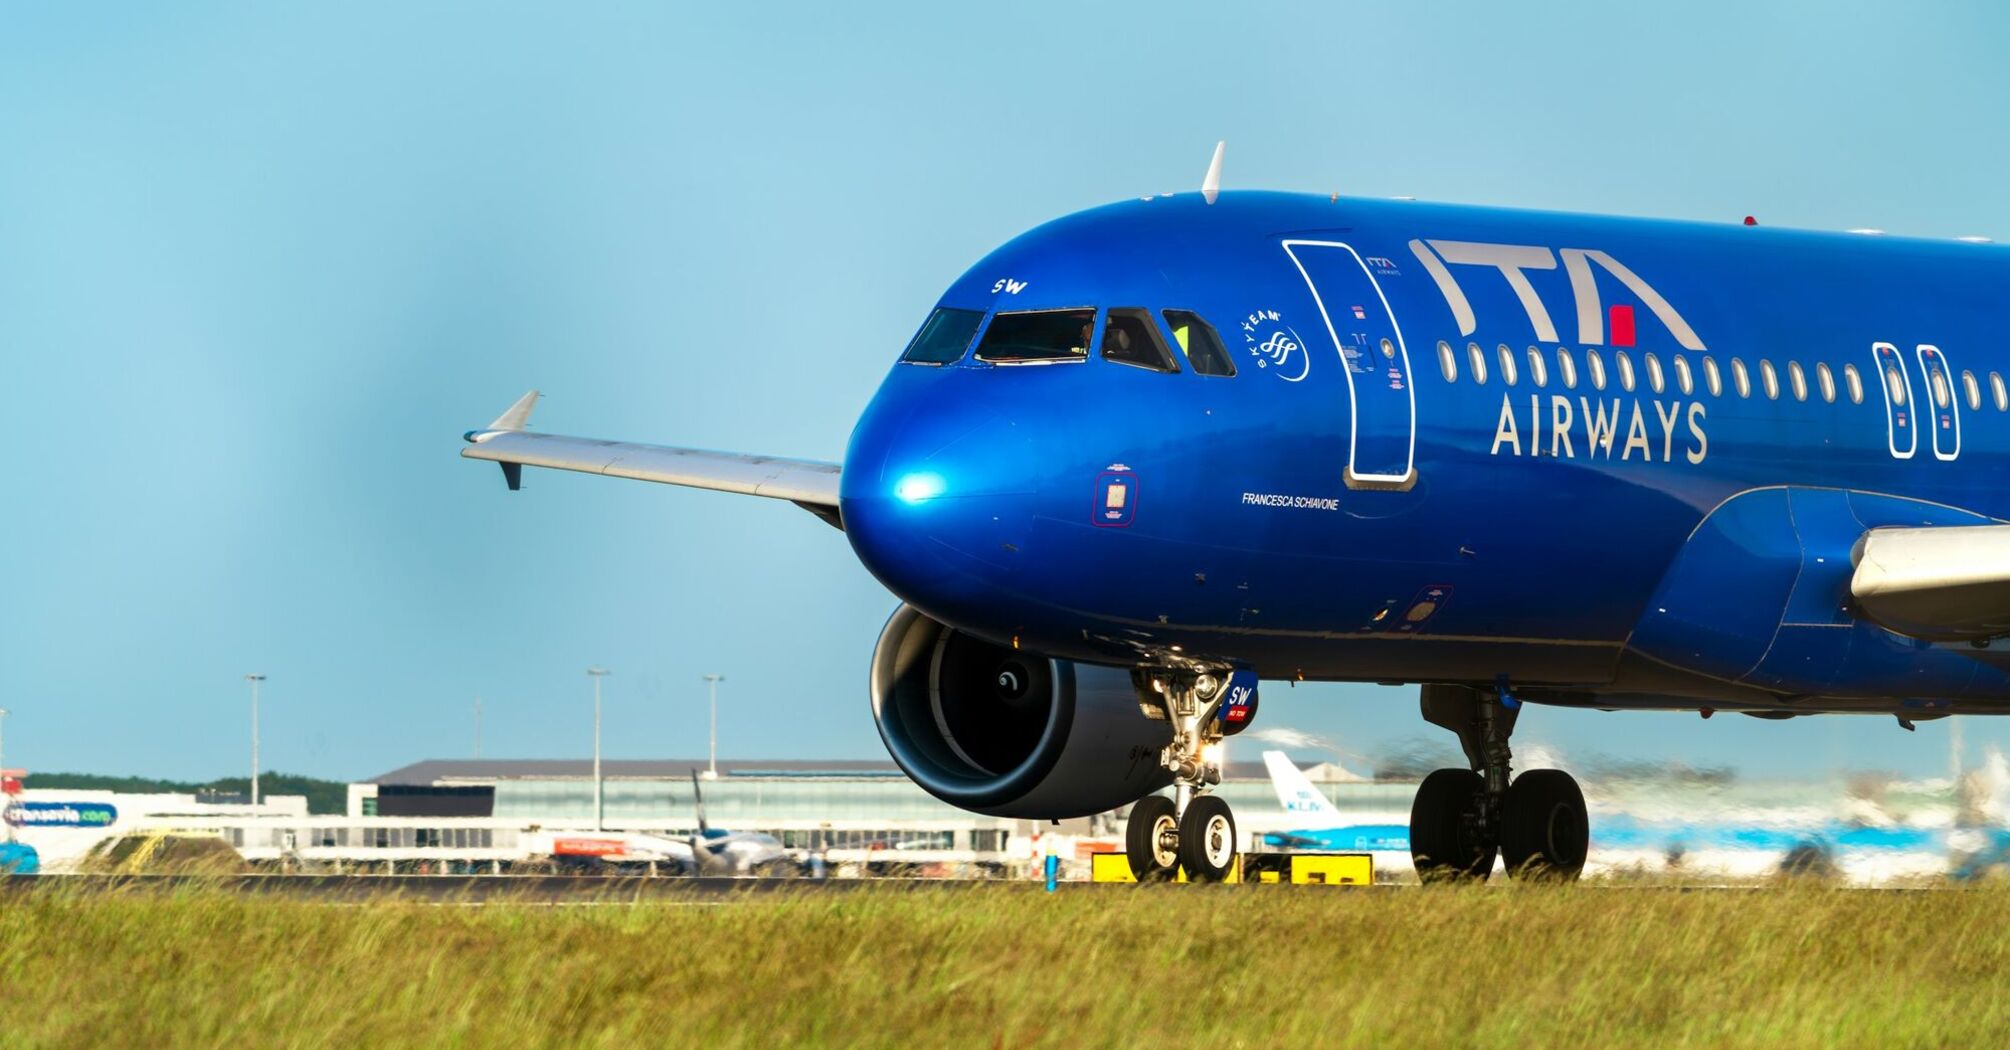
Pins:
x,y
501,815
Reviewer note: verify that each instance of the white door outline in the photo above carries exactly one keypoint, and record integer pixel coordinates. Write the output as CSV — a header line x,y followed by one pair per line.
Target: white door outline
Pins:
x,y
1364,481
1930,360
1901,409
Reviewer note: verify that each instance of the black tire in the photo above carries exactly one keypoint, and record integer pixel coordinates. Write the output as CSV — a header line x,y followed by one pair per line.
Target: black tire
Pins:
x,y
1153,819
1207,839
1446,840
1544,829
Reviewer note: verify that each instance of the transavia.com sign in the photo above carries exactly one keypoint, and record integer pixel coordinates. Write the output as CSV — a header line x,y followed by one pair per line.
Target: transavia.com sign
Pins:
x,y
61,815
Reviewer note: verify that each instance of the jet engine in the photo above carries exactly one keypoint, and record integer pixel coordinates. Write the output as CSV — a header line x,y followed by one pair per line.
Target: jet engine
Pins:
x,y
1007,733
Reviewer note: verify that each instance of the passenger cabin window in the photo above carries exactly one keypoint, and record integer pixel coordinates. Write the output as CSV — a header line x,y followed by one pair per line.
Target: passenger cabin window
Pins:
x,y
1685,380
1130,338
1538,371
1448,363
1477,358
1855,383
1827,380
1596,366
943,337
1625,364
1037,337
1507,365
1713,378
1998,391
1201,344
1973,389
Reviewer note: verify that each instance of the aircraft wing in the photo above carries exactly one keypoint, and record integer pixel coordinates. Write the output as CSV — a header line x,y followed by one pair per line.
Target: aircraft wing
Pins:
x,y
809,484
1942,583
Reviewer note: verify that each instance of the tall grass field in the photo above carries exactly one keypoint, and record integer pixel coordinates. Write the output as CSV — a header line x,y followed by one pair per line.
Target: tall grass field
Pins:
x,y
1009,966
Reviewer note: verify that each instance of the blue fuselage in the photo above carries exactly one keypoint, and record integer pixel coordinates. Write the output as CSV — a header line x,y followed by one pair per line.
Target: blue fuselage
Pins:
x,y
1460,444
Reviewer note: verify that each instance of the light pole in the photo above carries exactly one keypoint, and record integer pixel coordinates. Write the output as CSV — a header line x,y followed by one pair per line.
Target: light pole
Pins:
x,y
599,800
254,679
712,691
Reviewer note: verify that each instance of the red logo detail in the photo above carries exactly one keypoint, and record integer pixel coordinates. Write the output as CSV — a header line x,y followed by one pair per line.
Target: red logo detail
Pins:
x,y
1622,325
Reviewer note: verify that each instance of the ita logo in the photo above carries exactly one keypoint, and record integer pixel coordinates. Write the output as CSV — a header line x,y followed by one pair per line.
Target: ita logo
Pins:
x,y
1275,346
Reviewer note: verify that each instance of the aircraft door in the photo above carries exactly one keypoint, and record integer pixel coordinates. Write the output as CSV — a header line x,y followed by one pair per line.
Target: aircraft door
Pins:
x,y
1942,411
1899,409
1382,438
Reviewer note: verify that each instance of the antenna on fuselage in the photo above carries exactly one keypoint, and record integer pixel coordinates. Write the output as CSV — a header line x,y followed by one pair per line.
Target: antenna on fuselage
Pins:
x,y
1210,187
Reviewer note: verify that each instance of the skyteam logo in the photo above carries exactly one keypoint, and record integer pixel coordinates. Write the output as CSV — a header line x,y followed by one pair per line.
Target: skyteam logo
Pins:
x,y
1275,346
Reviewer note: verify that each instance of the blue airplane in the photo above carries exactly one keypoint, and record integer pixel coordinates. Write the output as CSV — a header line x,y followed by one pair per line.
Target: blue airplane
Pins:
x,y
1140,457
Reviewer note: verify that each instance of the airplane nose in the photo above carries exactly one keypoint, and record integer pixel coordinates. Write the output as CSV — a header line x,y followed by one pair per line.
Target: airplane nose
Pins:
x,y
937,504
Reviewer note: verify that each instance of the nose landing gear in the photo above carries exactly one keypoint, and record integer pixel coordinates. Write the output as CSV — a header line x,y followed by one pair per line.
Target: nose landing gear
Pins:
x,y
1192,830
1462,817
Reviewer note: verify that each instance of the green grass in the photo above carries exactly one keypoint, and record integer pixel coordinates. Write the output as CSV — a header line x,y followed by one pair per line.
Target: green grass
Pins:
x,y
1008,966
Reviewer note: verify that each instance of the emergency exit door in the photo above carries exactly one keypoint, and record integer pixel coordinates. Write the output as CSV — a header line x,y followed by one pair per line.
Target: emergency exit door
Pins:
x,y
1382,427
1900,412
1942,410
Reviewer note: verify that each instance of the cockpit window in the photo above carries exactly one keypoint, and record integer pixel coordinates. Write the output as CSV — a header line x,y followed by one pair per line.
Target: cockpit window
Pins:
x,y
1200,342
1130,338
1031,336
943,337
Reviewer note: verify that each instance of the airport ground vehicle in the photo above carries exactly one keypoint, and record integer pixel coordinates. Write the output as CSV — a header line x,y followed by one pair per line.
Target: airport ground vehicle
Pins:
x,y
1145,454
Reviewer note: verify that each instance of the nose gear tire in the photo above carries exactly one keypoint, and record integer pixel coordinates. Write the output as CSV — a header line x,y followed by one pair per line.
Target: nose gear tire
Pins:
x,y
1153,822
1544,830
1207,839
1447,839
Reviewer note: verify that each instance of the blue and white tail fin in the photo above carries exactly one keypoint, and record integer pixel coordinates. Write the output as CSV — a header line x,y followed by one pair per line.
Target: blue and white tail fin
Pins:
x,y
1296,793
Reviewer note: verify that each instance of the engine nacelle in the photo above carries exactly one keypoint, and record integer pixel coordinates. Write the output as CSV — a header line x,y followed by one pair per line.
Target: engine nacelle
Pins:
x,y
1007,733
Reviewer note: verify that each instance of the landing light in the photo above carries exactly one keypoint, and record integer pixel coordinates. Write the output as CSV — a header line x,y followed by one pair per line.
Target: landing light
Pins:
x,y
915,488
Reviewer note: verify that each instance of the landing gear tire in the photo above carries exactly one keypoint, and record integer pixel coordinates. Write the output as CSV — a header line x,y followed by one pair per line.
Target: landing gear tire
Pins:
x,y
1544,829
1207,839
1151,839
1447,837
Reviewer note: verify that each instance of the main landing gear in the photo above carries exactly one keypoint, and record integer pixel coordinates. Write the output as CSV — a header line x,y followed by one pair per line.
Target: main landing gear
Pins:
x,y
1536,822
1192,830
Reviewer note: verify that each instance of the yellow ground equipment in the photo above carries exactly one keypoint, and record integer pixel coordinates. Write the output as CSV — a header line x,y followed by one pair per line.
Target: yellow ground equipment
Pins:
x,y
1304,869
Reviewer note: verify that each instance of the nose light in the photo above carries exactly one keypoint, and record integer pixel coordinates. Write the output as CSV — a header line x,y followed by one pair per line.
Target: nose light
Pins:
x,y
914,488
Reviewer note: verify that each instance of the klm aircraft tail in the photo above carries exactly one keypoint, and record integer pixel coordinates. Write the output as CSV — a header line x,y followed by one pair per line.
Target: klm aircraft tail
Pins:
x,y
1295,792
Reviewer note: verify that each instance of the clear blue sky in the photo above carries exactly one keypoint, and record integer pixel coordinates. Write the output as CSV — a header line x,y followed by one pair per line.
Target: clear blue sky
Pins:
x,y
260,265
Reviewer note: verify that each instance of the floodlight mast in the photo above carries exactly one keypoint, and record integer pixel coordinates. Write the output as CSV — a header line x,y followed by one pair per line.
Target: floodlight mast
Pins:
x,y
599,798
712,691
254,679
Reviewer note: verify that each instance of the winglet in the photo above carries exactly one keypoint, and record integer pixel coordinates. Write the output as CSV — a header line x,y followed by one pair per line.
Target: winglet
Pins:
x,y
1210,187
510,421
518,414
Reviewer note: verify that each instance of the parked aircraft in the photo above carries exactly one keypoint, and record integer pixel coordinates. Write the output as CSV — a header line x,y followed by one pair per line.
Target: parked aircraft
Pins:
x,y
1324,827
1144,455
709,851
716,851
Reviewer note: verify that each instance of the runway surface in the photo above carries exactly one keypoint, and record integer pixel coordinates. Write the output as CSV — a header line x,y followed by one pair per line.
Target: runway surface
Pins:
x,y
591,889
475,888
